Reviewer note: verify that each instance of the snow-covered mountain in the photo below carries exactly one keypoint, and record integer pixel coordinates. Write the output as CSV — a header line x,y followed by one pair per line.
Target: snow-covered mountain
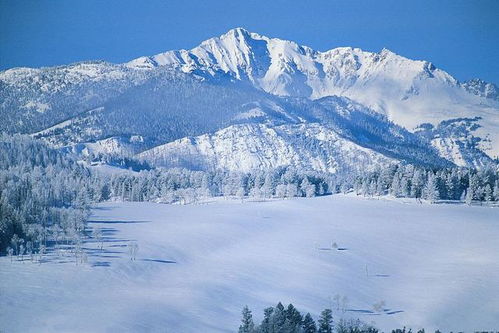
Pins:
x,y
409,92
249,147
482,88
455,141
275,94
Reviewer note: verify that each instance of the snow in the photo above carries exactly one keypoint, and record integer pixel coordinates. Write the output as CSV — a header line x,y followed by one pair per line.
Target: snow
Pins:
x,y
249,147
252,113
38,106
449,150
409,92
198,265
64,124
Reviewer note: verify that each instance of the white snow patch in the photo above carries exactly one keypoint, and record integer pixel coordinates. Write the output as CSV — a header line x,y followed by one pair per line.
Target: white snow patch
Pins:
x,y
38,106
198,265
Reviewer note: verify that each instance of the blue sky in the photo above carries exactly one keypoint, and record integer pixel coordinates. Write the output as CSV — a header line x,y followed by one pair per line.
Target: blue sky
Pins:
x,y
461,37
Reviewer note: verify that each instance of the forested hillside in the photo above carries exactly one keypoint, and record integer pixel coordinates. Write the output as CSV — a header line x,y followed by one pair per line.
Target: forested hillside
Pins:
x,y
45,194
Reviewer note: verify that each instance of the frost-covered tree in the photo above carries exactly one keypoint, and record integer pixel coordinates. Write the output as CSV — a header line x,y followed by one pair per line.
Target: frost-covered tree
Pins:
x,y
417,183
291,190
487,193
29,250
279,318
469,195
307,188
247,324
10,253
309,325
133,249
294,320
379,306
41,253
326,322
354,326
97,235
395,186
289,320
280,191
267,323
430,190
496,190
22,250
15,243
40,189
344,304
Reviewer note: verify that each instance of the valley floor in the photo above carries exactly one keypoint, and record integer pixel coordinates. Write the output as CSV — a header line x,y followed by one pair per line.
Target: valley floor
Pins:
x,y
434,266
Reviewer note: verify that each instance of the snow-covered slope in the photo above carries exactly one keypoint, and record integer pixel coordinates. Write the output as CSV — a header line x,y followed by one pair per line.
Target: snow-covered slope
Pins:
x,y
243,77
435,266
482,88
255,146
410,92
329,134
113,146
34,99
455,141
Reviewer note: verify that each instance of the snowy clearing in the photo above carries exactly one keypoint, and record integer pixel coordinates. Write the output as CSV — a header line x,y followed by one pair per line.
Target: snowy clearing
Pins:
x,y
434,266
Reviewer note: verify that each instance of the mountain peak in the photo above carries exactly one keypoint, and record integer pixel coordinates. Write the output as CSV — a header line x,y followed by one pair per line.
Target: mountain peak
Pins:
x,y
481,88
239,31
408,92
233,36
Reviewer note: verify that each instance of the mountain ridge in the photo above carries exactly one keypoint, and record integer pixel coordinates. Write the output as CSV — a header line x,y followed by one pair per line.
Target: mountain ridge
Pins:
x,y
264,72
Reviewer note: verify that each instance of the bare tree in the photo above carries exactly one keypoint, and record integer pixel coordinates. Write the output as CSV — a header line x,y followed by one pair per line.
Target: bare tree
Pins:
x,y
337,299
10,252
21,252
344,304
41,252
379,306
133,249
29,250
97,234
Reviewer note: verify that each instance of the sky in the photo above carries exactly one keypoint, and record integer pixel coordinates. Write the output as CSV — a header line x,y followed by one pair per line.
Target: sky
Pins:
x,y
461,37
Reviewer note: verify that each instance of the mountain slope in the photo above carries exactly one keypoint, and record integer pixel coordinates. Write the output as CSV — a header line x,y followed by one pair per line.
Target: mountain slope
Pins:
x,y
250,147
456,142
240,78
409,92
34,99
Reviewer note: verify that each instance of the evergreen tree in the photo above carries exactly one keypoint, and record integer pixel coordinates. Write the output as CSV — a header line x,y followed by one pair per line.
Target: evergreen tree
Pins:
x,y
266,325
430,191
469,195
279,318
473,186
395,186
307,188
452,187
417,183
326,322
308,325
247,325
354,326
487,191
293,320
291,190
496,190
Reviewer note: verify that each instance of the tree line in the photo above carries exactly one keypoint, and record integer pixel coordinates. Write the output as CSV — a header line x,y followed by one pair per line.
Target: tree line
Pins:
x,y
46,195
409,181
281,319
42,193
398,180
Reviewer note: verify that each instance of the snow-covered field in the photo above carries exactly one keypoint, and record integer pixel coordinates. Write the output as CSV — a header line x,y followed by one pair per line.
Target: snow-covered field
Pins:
x,y
435,266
